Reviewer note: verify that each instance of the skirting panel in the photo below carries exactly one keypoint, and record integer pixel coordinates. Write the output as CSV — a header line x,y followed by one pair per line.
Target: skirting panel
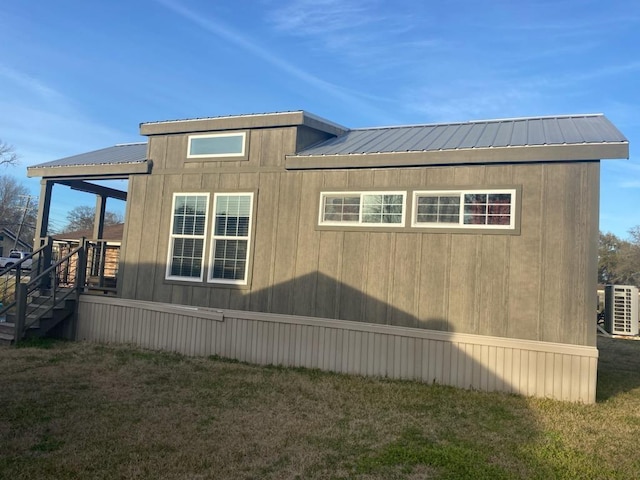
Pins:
x,y
559,371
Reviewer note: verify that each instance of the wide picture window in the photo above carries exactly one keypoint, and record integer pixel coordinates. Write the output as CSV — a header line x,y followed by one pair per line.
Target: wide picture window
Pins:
x,y
490,209
362,209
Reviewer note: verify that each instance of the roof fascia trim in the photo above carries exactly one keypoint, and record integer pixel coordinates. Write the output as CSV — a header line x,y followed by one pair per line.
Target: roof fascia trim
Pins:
x,y
286,119
531,153
113,169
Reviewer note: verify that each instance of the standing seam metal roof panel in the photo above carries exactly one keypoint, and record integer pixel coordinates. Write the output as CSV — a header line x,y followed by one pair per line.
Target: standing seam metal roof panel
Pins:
x,y
535,131
118,154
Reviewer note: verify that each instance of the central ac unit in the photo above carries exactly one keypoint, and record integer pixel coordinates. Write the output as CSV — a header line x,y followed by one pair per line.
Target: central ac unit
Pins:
x,y
621,309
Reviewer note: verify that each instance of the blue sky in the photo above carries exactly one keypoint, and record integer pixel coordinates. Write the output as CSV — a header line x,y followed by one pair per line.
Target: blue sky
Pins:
x,y
76,75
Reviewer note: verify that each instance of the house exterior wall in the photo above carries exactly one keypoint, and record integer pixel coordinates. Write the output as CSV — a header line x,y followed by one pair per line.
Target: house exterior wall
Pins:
x,y
537,284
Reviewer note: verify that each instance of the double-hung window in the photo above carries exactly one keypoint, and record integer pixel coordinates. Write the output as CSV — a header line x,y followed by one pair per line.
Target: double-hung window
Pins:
x,y
186,243
383,209
488,209
230,236
230,240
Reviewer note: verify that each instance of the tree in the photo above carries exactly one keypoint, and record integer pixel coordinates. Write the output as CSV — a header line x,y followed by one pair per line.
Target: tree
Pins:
x,y
8,156
16,212
82,216
619,260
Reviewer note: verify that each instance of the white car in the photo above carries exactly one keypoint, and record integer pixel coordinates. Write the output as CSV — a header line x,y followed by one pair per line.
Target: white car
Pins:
x,y
14,257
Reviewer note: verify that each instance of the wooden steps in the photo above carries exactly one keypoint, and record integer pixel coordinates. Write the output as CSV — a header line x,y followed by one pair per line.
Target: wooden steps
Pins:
x,y
41,318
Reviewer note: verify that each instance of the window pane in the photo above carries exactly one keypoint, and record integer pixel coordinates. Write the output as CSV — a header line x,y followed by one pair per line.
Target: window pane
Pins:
x,y
475,198
232,215
438,209
427,200
217,145
488,209
186,260
428,209
229,259
341,209
189,215
474,219
500,209
382,208
500,198
499,220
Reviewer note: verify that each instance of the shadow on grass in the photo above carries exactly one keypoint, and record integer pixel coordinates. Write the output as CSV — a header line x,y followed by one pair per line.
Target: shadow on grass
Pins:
x,y
618,367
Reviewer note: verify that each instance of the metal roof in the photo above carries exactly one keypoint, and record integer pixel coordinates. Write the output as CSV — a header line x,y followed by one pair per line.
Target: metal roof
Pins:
x,y
118,154
516,132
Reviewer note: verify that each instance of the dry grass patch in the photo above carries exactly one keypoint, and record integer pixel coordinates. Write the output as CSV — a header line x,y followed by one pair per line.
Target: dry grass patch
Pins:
x,y
79,410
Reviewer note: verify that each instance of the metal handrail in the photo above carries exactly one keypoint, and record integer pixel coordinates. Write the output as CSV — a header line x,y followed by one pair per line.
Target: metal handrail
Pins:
x,y
44,279
17,267
54,265
40,282
19,263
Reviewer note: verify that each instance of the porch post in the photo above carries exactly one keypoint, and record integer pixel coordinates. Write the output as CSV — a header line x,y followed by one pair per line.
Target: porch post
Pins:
x,y
97,267
42,223
98,221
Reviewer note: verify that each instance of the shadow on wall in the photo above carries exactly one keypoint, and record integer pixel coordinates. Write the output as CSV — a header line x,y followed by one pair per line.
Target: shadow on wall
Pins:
x,y
313,295
428,357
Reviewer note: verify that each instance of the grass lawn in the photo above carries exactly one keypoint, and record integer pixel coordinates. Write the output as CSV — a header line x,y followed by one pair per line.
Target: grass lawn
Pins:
x,y
86,411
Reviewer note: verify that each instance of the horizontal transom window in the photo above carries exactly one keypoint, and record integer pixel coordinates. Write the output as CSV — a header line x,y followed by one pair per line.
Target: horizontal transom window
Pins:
x,y
465,209
362,208
217,145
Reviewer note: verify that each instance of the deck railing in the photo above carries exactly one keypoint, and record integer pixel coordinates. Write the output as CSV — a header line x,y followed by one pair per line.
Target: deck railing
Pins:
x,y
31,294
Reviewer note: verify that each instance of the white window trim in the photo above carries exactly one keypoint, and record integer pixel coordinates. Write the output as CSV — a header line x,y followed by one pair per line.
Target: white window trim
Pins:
x,y
218,155
461,224
360,223
172,236
215,237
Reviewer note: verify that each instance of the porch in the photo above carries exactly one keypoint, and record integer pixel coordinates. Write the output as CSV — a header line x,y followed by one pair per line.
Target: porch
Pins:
x,y
89,173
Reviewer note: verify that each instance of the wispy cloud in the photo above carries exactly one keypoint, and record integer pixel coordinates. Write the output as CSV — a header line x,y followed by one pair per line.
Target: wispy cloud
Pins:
x,y
33,85
250,45
44,124
356,31
322,17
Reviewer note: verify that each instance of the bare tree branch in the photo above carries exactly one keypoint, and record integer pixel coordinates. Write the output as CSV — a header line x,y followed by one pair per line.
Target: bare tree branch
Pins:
x,y
82,216
13,215
8,156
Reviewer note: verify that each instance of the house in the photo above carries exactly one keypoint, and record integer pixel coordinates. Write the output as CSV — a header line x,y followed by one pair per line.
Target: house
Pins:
x,y
8,242
462,253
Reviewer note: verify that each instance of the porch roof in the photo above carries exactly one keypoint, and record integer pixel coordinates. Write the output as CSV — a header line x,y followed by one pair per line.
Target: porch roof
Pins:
x,y
118,160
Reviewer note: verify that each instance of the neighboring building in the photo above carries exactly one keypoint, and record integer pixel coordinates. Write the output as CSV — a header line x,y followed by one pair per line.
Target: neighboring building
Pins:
x,y
462,253
8,242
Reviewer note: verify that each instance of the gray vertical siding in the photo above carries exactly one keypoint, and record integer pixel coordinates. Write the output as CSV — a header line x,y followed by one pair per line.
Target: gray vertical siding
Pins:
x,y
564,372
536,285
